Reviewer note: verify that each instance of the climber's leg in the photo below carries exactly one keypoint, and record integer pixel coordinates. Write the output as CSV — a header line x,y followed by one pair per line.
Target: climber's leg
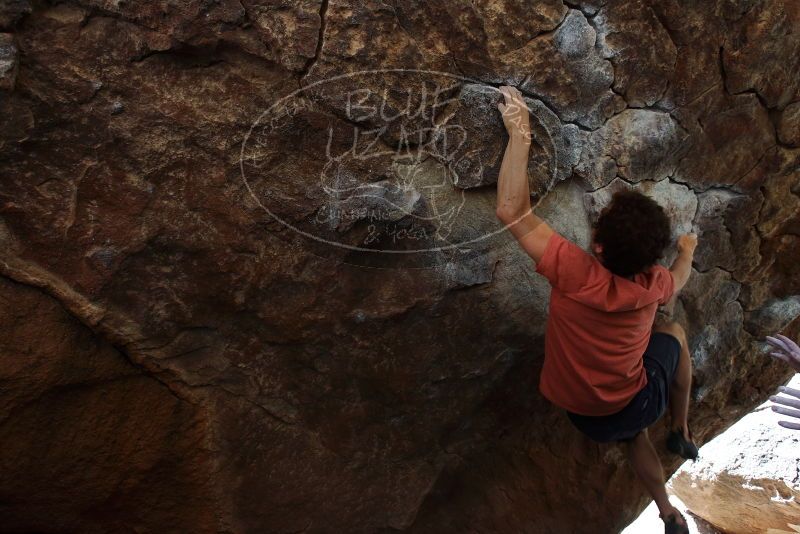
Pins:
x,y
681,386
647,466
680,391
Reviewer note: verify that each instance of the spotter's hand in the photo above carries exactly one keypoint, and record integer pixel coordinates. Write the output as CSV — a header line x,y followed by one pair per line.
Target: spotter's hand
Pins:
x,y
787,350
789,406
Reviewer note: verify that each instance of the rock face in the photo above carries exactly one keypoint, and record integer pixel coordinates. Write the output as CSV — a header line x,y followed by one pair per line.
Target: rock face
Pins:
x,y
746,480
253,280
90,443
8,62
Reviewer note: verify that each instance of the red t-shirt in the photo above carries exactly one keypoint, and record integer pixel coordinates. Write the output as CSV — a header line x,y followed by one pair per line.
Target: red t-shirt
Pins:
x,y
598,327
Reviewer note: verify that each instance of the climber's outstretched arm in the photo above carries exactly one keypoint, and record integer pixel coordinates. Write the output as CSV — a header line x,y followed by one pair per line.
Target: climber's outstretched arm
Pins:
x,y
682,266
513,195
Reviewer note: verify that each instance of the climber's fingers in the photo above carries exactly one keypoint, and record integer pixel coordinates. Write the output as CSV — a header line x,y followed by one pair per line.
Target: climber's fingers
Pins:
x,y
505,91
794,403
513,97
786,411
790,391
789,425
508,107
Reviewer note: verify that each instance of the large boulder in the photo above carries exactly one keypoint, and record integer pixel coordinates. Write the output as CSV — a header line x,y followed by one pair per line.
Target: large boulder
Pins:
x,y
746,480
252,277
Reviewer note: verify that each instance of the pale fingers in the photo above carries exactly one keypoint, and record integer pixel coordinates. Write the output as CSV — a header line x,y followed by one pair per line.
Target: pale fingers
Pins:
x,y
777,343
793,348
786,411
790,391
791,344
792,403
789,425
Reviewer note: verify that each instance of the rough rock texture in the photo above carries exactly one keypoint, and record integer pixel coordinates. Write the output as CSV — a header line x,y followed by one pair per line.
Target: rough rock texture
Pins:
x,y
90,443
8,62
248,287
476,163
747,479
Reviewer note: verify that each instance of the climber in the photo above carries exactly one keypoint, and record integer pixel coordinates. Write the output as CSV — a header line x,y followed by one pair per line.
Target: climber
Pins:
x,y
787,351
609,362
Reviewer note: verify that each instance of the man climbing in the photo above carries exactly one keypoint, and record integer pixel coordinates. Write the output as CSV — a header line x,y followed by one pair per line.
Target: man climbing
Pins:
x,y
608,362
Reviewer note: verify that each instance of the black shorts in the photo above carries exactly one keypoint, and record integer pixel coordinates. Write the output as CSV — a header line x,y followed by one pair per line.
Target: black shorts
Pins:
x,y
660,362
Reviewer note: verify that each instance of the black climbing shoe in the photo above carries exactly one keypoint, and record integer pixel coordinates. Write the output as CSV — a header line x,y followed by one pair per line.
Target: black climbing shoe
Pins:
x,y
677,444
671,525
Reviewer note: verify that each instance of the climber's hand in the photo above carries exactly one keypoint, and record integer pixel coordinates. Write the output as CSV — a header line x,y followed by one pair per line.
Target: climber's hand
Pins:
x,y
790,408
687,243
516,115
787,350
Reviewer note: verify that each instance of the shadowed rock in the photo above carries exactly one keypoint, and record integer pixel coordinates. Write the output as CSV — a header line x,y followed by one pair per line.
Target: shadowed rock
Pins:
x,y
8,62
746,480
312,320
789,129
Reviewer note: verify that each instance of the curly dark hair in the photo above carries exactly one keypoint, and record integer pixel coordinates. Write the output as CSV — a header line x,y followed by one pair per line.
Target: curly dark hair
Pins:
x,y
633,230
